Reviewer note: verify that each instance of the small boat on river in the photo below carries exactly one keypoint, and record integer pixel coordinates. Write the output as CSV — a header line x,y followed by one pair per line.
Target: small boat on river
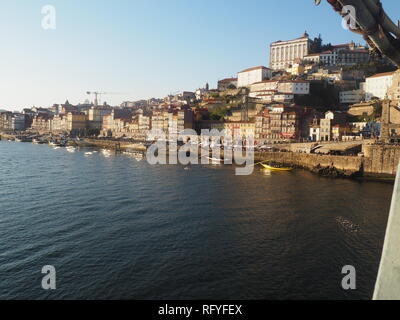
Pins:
x,y
275,167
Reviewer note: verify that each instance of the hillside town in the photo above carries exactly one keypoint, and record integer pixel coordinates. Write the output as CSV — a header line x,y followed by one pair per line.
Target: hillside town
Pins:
x,y
310,92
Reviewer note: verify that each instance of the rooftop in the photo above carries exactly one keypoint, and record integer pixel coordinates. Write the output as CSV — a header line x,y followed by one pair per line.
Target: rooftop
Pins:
x,y
385,74
255,68
228,80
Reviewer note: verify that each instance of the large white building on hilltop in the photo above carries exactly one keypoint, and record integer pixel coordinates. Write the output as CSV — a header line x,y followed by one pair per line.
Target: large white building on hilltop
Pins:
x,y
249,76
285,53
378,85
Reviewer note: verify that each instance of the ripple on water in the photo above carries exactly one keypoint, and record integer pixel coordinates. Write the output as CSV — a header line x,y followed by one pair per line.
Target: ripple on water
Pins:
x,y
116,228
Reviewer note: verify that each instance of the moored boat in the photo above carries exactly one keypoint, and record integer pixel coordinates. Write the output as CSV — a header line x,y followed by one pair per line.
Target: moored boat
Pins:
x,y
275,168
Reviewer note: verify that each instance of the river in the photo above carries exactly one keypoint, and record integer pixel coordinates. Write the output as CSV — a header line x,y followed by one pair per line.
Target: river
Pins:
x,y
117,228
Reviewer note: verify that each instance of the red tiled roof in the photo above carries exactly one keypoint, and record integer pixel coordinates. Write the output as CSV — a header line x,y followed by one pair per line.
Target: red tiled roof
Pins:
x,y
312,55
385,74
266,81
342,45
293,81
228,80
255,68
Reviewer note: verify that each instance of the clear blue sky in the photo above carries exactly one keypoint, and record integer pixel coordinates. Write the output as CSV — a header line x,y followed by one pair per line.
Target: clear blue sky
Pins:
x,y
145,48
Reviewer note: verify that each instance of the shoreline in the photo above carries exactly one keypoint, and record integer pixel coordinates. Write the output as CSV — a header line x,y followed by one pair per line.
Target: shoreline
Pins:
x,y
327,171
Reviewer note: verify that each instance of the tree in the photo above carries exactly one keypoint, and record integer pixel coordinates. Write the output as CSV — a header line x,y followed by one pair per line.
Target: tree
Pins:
x,y
219,113
316,45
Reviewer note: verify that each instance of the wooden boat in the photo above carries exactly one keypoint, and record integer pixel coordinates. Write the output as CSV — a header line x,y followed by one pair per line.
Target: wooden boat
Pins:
x,y
269,167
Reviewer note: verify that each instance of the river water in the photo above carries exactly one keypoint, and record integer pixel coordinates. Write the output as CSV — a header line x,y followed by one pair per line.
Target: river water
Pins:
x,y
116,228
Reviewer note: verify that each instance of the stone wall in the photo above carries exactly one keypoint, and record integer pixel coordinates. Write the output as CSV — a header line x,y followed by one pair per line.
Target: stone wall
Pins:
x,y
115,145
348,165
379,161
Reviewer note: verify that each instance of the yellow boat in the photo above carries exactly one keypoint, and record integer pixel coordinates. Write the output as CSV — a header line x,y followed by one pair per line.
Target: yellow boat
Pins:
x,y
266,166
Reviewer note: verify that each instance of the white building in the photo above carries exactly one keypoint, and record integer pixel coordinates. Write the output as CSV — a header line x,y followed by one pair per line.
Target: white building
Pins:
x,y
274,97
294,86
279,90
267,85
285,53
249,76
315,133
378,85
351,97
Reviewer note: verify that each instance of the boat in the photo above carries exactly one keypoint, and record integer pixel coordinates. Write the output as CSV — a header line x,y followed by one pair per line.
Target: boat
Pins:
x,y
36,141
106,152
274,168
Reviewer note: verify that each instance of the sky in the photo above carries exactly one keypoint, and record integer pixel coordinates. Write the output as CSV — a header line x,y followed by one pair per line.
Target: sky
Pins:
x,y
138,49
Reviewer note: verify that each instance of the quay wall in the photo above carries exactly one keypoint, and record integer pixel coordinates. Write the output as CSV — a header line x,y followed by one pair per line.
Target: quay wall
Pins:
x,y
348,165
380,161
115,145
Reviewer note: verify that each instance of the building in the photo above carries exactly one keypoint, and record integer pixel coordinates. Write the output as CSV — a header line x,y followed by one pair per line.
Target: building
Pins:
x,y
76,122
281,123
296,69
348,54
331,120
297,87
286,53
18,122
42,123
315,132
228,83
351,97
313,58
378,85
114,123
96,115
6,120
173,121
263,127
279,90
339,131
364,109
249,76
59,124
185,96
242,129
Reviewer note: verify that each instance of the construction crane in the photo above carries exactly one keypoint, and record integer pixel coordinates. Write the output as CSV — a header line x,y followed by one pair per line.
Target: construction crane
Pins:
x,y
98,94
